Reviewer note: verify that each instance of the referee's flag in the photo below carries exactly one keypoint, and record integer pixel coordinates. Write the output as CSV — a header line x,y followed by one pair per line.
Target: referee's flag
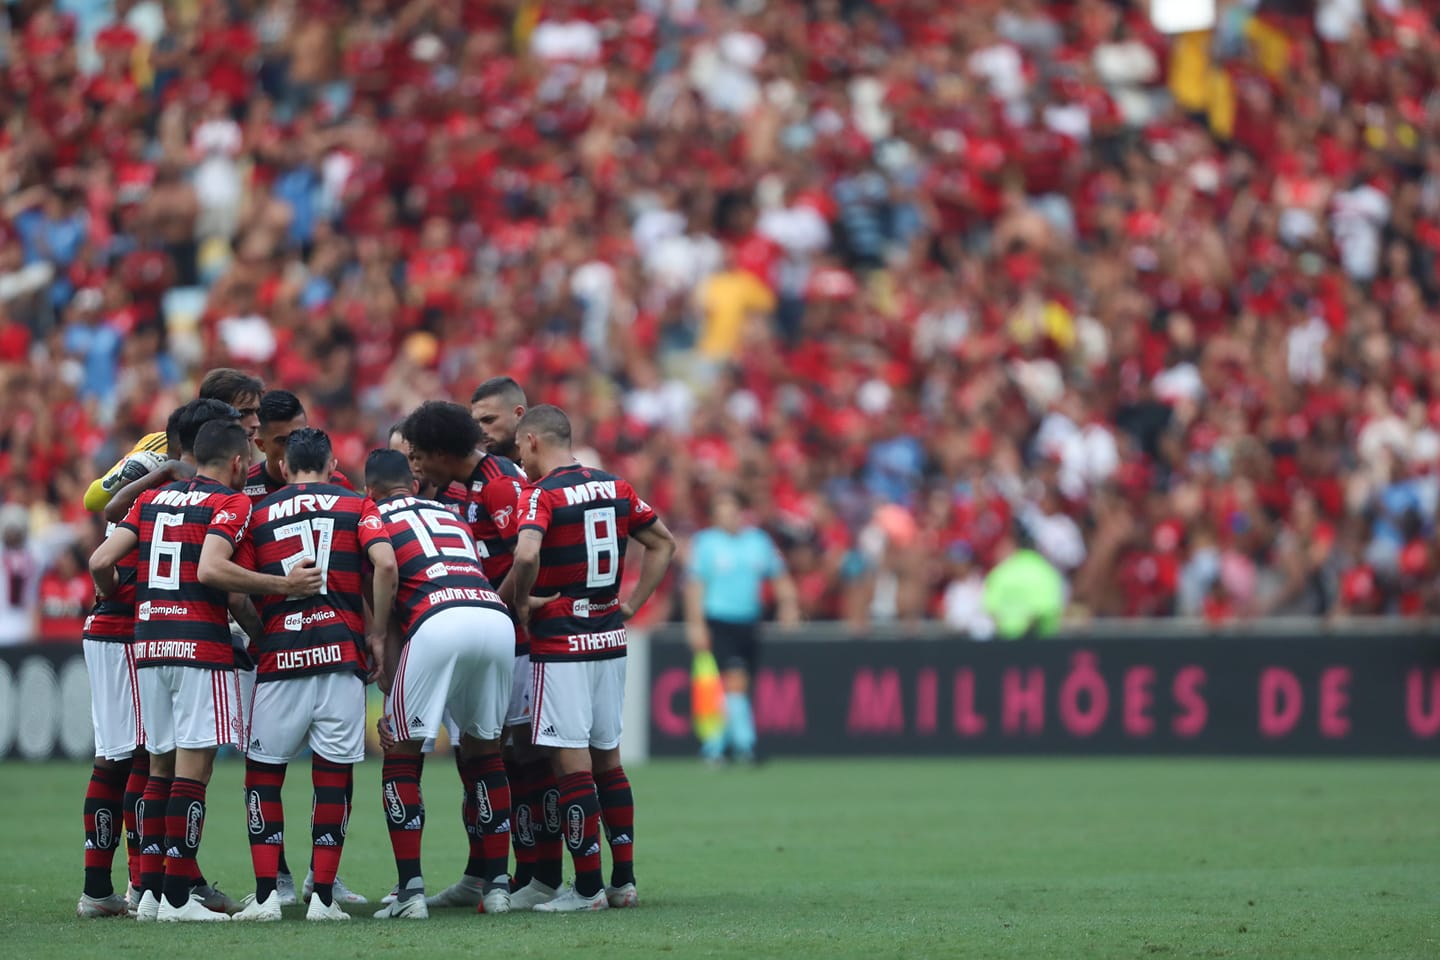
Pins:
x,y
707,697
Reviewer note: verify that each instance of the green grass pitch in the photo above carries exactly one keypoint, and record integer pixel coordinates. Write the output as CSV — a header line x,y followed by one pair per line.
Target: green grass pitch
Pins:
x,y
873,859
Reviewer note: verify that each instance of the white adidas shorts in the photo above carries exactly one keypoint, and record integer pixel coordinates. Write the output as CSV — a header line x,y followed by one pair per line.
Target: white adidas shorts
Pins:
x,y
460,660
325,710
578,703
190,707
114,708
520,692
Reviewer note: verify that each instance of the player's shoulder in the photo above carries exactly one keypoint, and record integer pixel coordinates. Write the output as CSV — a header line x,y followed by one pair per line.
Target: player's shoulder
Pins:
x,y
157,442
495,466
256,471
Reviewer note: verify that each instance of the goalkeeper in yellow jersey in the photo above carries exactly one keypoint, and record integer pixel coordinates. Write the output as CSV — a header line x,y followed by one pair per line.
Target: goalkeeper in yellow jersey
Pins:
x,y
240,390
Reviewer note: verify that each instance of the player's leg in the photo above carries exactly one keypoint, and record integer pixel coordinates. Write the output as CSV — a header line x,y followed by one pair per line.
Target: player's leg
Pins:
x,y
539,806
112,714
337,740
207,716
415,709
736,648
617,800
518,756
564,713
246,675
479,699
134,790
158,720
280,718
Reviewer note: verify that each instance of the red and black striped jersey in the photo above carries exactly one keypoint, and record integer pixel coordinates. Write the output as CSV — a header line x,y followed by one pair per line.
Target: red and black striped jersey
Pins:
x,y
336,528
179,620
585,517
453,498
113,618
259,484
439,565
493,502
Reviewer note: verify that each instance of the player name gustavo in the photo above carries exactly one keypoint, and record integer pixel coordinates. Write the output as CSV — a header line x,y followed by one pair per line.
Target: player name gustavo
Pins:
x,y
306,659
595,642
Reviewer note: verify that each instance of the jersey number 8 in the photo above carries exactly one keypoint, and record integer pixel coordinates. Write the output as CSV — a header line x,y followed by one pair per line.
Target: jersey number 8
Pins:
x,y
602,548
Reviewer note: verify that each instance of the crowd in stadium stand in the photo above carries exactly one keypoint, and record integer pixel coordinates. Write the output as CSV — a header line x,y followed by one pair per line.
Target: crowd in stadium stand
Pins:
x,y
928,281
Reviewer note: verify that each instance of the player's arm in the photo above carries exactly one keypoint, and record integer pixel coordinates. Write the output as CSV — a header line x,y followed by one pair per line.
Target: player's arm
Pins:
x,y
169,472
108,555
245,614
523,572
659,546
130,467
697,634
384,582
217,569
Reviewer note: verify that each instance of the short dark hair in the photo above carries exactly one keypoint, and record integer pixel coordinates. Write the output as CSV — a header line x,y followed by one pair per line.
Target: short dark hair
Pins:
x,y
197,413
219,440
388,468
546,420
229,385
398,428
308,450
280,406
506,387
438,426
172,430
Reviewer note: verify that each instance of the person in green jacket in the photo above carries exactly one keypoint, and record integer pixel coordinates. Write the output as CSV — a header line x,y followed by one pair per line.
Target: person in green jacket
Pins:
x,y
1024,593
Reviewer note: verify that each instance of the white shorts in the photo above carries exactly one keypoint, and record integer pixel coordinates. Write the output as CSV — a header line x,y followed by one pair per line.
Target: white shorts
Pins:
x,y
578,703
247,697
452,730
114,708
459,660
327,710
520,691
190,707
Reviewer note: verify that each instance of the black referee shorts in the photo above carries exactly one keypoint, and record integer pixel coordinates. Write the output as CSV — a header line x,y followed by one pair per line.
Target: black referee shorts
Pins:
x,y
736,646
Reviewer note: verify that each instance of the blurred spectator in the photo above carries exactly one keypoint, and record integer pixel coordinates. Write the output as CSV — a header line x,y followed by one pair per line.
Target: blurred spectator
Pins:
x,y
911,272
66,596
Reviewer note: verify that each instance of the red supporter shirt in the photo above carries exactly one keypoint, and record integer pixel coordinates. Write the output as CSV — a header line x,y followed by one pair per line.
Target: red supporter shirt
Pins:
x,y
63,602
585,518
335,527
179,620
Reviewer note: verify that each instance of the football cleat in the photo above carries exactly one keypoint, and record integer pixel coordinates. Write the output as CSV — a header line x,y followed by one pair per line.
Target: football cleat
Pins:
x,y
148,910
260,911
132,899
570,901
340,892
192,911
497,900
411,909
318,910
285,886
532,895
392,896
622,896
213,898
466,892
92,908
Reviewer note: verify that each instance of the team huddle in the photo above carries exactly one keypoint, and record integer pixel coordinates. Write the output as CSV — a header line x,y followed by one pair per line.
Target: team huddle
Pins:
x,y
249,604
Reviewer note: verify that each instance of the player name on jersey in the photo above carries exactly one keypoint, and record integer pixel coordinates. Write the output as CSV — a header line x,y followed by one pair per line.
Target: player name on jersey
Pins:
x,y
438,557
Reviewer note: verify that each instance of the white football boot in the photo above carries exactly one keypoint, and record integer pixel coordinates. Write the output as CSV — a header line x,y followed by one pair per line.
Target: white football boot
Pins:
x,y
193,911
260,911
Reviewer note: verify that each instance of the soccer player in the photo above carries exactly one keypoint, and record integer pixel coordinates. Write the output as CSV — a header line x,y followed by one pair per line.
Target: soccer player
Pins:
x,y
496,407
189,693
115,710
311,672
458,652
575,525
281,414
445,446
730,563
240,390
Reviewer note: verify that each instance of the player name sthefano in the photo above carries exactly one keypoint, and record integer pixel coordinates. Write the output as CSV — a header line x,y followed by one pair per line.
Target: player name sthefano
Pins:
x,y
305,659
592,642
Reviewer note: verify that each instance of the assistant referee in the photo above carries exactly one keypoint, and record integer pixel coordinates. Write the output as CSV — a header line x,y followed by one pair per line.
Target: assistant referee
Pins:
x,y
730,563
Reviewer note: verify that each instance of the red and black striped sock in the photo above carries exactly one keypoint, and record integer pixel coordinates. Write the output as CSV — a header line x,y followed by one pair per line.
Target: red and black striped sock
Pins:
x,y
468,812
525,816
617,810
332,783
150,816
580,813
404,815
264,822
489,791
549,840
134,789
104,805
184,825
